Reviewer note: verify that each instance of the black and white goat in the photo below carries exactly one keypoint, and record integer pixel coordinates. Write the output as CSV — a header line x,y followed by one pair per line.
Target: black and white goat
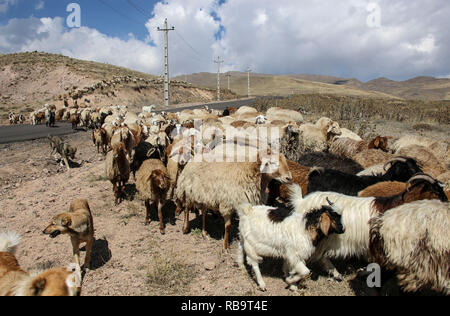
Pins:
x,y
356,213
280,233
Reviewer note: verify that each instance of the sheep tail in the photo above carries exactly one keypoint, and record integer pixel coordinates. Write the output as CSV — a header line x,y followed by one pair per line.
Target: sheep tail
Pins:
x,y
9,242
295,195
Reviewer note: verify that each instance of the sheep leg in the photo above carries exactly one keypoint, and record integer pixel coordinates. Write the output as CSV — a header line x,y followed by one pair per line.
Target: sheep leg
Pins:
x,y
186,221
327,266
147,215
299,272
161,223
240,255
226,244
179,209
116,193
204,232
259,278
286,268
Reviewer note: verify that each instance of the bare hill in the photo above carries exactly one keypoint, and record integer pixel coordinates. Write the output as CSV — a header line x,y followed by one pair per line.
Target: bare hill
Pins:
x,y
419,88
29,80
264,84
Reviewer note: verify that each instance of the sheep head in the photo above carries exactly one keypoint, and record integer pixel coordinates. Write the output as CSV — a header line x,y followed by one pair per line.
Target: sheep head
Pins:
x,y
159,181
276,167
424,187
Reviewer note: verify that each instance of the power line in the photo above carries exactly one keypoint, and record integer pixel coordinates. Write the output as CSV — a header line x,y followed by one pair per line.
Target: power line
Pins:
x,y
187,43
139,9
119,12
144,13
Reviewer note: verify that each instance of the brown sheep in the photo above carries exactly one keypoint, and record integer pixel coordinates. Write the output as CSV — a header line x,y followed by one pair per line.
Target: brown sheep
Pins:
x,y
100,139
118,170
281,191
153,184
371,157
348,148
383,189
75,120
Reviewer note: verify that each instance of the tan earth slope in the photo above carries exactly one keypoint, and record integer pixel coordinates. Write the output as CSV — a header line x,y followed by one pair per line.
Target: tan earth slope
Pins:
x,y
30,80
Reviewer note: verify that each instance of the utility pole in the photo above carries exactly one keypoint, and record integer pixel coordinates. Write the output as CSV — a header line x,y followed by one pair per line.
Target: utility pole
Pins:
x,y
166,61
218,62
228,76
248,73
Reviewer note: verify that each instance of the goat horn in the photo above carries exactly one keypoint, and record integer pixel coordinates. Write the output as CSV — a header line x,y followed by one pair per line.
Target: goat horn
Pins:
x,y
391,162
329,202
420,176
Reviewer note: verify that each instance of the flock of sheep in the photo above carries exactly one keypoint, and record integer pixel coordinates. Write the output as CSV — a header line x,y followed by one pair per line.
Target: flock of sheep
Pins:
x,y
239,161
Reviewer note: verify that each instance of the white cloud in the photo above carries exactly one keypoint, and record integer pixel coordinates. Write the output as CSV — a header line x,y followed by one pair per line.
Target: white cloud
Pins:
x,y
50,35
426,45
286,36
5,4
40,5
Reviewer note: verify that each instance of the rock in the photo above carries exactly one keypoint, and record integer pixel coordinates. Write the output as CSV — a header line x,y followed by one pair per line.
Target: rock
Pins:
x,y
209,265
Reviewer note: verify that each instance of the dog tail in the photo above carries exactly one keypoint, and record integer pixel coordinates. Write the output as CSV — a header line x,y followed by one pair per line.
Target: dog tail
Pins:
x,y
9,242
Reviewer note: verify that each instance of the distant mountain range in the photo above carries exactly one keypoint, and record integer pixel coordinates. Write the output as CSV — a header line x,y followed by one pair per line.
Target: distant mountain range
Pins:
x,y
420,88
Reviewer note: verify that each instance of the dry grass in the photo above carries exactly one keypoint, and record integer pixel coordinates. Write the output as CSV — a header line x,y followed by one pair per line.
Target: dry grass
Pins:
x,y
169,274
353,108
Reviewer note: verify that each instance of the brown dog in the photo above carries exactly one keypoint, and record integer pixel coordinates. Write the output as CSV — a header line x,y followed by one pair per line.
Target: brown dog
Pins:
x,y
16,282
79,225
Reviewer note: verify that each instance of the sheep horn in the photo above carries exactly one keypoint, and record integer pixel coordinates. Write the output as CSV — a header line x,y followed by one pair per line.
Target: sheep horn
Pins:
x,y
391,162
420,176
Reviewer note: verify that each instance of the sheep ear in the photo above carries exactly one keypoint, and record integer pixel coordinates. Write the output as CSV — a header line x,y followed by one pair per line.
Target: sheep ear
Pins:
x,y
38,286
325,224
377,142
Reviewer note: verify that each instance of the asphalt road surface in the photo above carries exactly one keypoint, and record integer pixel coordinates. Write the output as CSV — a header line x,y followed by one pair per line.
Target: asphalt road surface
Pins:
x,y
20,133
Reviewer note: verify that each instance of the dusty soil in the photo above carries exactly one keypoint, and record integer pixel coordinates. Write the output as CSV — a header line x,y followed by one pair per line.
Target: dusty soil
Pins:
x,y
130,258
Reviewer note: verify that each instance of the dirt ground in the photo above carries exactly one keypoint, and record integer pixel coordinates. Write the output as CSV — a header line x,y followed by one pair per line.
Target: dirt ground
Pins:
x,y
129,258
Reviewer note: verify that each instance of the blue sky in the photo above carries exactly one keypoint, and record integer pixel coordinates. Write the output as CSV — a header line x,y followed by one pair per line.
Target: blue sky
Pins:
x,y
115,18
363,39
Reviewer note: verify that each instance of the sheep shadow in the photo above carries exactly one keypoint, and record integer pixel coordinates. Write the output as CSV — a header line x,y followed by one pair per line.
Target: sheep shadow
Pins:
x,y
215,226
101,254
130,191
389,286
168,212
59,162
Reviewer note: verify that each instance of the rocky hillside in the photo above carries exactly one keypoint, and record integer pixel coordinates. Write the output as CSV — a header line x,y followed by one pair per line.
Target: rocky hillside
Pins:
x,y
29,80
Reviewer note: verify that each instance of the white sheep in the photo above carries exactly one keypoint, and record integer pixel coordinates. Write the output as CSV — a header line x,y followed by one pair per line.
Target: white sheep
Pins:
x,y
287,116
148,109
317,137
278,233
413,240
222,186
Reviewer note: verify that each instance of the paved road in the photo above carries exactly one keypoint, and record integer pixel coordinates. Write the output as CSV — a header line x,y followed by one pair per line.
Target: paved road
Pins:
x,y
215,105
20,133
